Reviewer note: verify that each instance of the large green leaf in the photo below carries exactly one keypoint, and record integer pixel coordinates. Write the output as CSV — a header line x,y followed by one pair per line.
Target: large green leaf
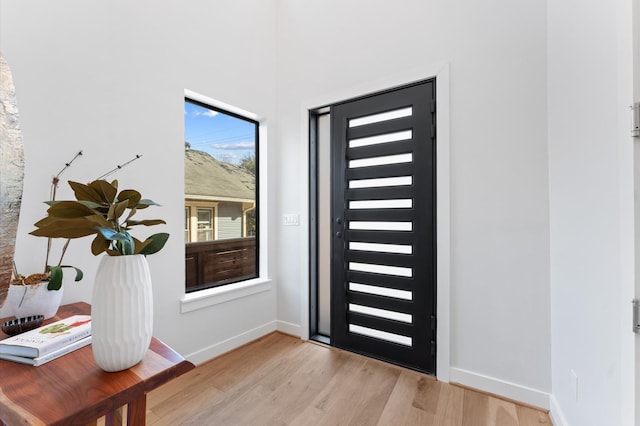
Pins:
x,y
140,245
55,282
99,220
131,196
148,222
116,210
145,202
85,192
99,244
92,205
46,221
157,243
124,240
66,228
70,209
106,190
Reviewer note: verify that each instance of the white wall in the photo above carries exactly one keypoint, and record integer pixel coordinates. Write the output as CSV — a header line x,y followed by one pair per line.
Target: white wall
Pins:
x,y
591,175
108,77
500,335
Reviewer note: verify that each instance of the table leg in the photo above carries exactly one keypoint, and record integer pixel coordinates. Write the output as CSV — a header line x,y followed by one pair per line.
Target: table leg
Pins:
x,y
137,413
114,418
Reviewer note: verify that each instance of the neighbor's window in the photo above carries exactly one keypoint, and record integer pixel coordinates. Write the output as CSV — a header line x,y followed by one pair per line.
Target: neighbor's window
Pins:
x,y
186,223
220,196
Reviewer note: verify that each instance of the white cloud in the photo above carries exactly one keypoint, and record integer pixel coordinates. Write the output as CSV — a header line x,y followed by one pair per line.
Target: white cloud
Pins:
x,y
206,113
237,145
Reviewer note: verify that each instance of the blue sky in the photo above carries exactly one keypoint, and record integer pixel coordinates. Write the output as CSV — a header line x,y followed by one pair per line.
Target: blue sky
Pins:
x,y
225,137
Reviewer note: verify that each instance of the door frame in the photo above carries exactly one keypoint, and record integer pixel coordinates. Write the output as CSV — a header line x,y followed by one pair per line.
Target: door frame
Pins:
x,y
440,72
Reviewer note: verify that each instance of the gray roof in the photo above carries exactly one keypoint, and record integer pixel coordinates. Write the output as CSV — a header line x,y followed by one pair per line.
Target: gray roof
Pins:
x,y
206,176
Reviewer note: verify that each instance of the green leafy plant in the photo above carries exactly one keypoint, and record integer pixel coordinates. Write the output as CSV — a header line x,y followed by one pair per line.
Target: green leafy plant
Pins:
x,y
100,210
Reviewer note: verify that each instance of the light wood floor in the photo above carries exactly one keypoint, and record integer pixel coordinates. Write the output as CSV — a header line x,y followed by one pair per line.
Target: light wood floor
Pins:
x,y
281,380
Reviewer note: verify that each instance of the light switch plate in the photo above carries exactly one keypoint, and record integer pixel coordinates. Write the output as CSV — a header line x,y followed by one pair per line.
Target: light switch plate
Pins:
x,y
291,219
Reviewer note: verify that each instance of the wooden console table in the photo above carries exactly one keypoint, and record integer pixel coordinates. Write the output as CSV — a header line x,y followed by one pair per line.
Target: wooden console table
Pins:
x,y
73,390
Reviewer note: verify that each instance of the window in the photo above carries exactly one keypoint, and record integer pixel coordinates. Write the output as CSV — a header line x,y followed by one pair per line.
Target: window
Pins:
x,y
221,193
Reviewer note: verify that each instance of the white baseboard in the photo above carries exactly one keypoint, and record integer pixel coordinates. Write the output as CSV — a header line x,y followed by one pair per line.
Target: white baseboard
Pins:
x,y
234,342
289,328
556,414
499,387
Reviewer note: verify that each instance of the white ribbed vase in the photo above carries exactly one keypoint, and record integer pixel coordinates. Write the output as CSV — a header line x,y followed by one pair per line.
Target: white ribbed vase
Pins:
x,y
121,312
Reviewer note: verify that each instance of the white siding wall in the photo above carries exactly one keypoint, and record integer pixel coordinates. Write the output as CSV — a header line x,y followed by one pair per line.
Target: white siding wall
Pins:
x,y
229,220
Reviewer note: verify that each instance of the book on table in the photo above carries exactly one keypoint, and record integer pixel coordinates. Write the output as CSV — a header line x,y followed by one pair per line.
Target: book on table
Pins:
x,y
47,338
50,356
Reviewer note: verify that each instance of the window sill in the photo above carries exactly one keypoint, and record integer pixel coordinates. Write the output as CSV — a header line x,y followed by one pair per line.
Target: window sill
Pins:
x,y
214,296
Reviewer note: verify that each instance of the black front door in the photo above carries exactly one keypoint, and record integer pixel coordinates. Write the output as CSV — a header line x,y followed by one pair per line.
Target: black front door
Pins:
x,y
383,278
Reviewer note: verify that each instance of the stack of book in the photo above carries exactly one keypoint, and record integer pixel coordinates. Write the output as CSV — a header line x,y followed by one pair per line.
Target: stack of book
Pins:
x,y
46,343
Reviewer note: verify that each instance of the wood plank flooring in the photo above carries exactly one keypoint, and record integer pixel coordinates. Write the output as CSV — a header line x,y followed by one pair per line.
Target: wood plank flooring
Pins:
x,y
282,380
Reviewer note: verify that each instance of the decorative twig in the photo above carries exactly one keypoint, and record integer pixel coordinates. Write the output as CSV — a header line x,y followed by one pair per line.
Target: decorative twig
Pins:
x,y
56,178
54,187
119,166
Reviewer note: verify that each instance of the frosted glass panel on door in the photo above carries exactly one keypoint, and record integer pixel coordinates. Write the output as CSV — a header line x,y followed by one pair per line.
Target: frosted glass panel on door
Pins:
x,y
381,161
381,182
383,335
380,226
381,248
381,313
378,139
381,204
380,291
381,269
384,116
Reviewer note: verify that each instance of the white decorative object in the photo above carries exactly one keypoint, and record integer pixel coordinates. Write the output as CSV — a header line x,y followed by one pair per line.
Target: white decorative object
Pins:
x,y
121,312
12,166
28,300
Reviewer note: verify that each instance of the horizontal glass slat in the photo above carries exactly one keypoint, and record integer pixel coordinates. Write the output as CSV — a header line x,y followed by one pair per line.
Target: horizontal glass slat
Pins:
x,y
382,313
380,161
382,335
381,291
382,248
378,139
384,116
400,271
381,182
380,226
405,203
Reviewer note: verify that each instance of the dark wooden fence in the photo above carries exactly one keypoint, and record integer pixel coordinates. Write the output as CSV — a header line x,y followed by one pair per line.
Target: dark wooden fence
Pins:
x,y
214,263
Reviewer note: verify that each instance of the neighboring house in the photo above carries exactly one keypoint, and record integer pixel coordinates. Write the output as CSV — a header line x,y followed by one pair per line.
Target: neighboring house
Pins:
x,y
219,199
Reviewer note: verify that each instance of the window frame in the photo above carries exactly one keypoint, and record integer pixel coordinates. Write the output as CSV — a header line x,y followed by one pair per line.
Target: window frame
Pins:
x,y
213,289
